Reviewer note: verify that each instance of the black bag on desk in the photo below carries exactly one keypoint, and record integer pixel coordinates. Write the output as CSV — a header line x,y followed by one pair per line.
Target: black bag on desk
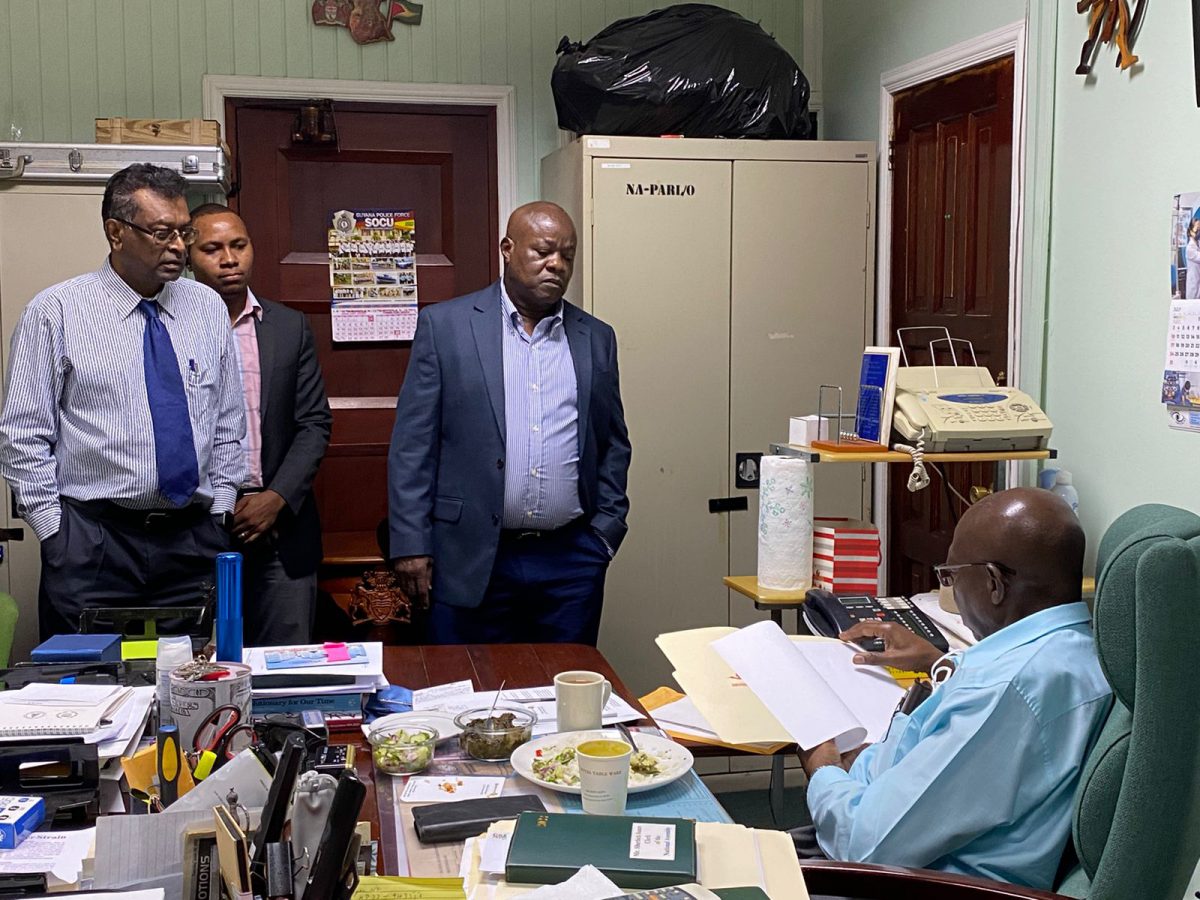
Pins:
x,y
690,69
441,823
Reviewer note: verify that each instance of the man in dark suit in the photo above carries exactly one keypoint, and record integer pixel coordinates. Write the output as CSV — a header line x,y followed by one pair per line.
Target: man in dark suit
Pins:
x,y
509,458
287,430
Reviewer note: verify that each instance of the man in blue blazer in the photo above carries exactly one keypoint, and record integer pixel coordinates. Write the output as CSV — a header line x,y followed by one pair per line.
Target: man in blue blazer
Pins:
x,y
509,457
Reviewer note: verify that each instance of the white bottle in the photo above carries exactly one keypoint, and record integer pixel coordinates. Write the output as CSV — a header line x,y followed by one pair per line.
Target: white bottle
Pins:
x,y
172,652
1065,489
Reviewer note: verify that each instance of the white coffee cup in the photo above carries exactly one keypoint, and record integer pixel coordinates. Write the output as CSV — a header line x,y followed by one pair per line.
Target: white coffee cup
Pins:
x,y
580,698
603,775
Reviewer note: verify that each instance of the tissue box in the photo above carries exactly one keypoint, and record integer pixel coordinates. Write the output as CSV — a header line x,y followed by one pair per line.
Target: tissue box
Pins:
x,y
75,648
19,816
806,429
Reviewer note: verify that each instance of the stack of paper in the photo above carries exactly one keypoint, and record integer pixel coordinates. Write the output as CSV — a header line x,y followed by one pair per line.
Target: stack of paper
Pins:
x,y
341,703
758,685
368,673
459,696
109,715
678,716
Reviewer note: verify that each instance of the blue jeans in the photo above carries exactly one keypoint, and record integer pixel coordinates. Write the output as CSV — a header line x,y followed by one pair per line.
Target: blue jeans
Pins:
x,y
545,588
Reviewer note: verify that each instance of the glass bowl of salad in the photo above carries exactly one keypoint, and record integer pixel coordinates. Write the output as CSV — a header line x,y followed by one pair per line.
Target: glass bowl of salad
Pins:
x,y
493,736
402,749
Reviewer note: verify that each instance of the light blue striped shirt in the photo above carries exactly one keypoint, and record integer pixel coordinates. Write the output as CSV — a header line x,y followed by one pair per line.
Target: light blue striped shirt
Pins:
x,y
76,418
541,417
980,779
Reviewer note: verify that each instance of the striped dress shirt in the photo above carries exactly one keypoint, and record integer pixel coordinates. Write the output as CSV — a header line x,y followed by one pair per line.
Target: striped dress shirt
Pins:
x,y
541,417
76,418
245,333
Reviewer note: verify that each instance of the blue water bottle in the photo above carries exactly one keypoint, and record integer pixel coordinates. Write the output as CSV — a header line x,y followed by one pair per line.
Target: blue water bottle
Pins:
x,y
229,607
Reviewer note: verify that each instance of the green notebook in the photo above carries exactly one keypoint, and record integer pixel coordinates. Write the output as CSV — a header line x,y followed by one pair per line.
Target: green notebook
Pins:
x,y
633,851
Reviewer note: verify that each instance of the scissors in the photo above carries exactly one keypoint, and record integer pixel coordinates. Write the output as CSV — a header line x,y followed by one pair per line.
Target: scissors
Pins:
x,y
223,733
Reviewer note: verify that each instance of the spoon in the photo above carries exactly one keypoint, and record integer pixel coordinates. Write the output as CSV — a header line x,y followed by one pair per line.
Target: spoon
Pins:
x,y
492,708
628,735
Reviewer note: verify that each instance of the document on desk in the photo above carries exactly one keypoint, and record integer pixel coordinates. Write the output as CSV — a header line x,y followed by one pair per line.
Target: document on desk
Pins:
x,y
57,853
140,851
756,684
812,687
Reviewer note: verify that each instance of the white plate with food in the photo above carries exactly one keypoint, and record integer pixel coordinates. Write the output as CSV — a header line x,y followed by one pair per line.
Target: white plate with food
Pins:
x,y
550,761
442,723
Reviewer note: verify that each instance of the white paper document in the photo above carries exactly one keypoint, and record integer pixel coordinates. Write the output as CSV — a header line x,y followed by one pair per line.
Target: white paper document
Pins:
x,y
452,700
57,853
682,716
812,687
429,698
256,659
450,788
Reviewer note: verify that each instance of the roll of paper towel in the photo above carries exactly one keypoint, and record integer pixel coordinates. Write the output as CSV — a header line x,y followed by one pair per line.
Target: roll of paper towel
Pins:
x,y
785,524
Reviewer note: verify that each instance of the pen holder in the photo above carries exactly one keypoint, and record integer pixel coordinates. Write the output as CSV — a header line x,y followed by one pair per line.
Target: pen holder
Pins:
x,y
192,701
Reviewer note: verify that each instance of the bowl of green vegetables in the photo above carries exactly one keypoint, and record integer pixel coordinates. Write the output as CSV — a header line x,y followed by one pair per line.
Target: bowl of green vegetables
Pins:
x,y
402,750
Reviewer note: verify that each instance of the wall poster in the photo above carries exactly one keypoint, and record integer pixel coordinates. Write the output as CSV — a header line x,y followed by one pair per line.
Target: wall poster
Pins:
x,y
373,274
1181,366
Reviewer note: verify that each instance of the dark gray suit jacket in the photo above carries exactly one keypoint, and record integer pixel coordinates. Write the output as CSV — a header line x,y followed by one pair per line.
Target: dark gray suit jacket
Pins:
x,y
296,422
446,463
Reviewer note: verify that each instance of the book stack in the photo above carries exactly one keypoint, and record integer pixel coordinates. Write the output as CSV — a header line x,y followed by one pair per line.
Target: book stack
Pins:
x,y
845,556
330,678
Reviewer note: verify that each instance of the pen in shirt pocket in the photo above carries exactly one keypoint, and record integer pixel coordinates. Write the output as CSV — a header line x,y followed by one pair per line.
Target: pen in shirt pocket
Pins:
x,y
193,372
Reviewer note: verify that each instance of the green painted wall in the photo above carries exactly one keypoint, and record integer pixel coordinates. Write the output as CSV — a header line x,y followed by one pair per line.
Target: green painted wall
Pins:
x,y
74,60
865,38
1123,146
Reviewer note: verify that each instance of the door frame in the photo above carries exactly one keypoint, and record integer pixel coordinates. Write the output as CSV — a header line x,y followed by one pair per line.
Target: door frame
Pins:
x,y
1009,39
502,97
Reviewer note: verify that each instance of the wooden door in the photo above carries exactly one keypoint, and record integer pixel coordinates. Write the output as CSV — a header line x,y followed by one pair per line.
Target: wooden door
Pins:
x,y
439,161
951,158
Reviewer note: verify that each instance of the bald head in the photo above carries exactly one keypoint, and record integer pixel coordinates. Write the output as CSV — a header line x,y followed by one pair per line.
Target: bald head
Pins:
x,y
539,257
1036,545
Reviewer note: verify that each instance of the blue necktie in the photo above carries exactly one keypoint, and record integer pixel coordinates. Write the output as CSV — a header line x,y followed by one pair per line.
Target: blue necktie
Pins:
x,y
174,446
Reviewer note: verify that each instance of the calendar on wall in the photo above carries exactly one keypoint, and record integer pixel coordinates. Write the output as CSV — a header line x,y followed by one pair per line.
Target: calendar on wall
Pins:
x,y
373,275
1181,365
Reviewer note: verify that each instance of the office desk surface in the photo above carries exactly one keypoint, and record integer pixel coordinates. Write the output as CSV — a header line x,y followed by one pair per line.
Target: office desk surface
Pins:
x,y
486,665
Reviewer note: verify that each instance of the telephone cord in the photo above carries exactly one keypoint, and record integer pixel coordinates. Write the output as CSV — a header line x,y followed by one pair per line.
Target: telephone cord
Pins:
x,y
918,479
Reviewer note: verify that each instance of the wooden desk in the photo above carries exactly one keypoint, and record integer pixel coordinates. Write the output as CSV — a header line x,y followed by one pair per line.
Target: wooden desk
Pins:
x,y
486,665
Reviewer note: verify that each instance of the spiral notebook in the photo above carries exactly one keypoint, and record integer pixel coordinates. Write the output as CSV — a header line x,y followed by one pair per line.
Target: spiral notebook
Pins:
x,y
59,710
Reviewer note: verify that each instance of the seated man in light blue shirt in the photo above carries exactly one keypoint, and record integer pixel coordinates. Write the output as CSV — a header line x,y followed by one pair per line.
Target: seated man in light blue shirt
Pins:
x,y
980,778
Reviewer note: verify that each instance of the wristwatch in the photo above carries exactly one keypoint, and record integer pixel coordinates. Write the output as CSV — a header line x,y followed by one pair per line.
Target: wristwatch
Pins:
x,y
226,520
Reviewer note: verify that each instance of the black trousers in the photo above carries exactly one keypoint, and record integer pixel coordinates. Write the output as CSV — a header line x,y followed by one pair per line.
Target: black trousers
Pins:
x,y
97,559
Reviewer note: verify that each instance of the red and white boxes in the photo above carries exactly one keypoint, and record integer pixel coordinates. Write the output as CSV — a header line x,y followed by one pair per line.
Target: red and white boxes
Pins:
x,y
845,556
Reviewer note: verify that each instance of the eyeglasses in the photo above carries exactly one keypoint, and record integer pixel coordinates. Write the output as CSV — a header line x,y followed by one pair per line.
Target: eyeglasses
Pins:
x,y
946,573
163,236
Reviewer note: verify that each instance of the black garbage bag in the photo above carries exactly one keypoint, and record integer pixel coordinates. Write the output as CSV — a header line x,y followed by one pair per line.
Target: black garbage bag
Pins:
x,y
690,69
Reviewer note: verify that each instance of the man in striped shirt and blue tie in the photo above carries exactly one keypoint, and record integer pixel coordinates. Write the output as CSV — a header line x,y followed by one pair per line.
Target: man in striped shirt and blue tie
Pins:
x,y
509,458
122,423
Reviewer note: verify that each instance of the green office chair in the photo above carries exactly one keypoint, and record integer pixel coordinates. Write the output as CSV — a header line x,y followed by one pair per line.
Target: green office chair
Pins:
x,y
1136,828
8,627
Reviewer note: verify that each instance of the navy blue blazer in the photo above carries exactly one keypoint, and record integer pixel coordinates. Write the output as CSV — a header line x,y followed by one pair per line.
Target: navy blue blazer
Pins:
x,y
446,462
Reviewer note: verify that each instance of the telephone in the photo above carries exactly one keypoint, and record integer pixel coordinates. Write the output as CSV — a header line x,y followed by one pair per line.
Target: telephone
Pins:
x,y
830,614
953,408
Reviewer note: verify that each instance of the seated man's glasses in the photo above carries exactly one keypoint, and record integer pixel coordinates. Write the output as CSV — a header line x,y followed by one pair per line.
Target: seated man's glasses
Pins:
x,y
946,573
163,236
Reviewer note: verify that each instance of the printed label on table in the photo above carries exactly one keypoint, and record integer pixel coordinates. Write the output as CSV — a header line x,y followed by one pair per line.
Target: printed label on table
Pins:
x,y
652,840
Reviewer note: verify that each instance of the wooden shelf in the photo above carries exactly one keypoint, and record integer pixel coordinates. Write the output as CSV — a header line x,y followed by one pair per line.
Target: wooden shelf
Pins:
x,y
895,456
764,598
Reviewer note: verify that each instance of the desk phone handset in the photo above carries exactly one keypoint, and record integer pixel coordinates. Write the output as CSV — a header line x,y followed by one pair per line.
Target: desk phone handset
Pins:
x,y
830,614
